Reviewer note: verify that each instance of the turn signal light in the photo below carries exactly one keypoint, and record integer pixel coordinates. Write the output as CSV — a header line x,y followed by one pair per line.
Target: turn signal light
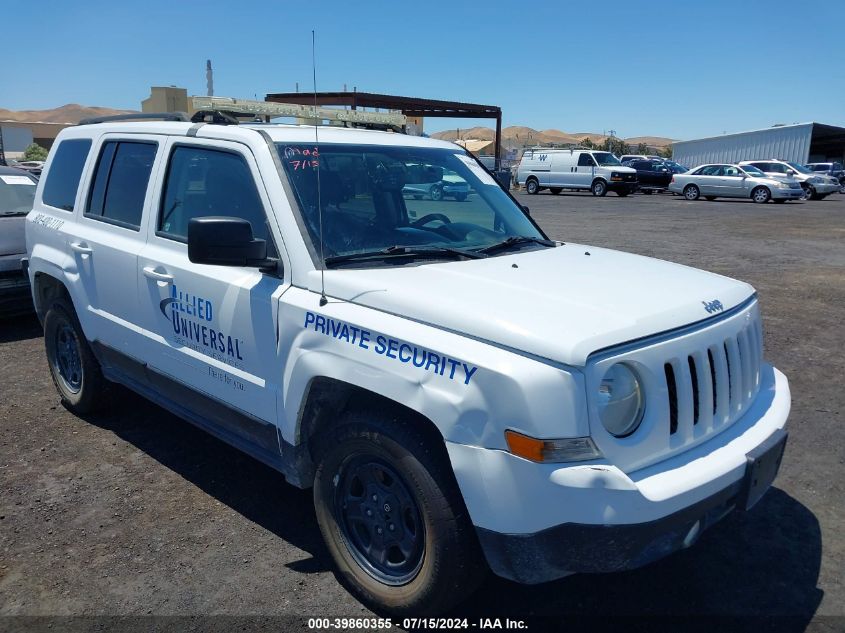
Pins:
x,y
571,449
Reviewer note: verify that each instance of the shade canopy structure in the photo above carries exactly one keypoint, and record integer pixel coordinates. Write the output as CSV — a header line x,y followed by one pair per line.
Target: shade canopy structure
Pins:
x,y
409,106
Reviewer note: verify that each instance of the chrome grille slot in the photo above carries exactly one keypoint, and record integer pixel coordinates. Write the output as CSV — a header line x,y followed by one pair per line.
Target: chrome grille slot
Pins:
x,y
695,389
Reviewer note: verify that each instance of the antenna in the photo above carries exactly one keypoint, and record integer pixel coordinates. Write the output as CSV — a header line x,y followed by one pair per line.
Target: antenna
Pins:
x,y
323,300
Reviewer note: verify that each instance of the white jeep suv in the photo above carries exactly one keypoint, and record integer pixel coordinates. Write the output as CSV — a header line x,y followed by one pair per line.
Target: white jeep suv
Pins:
x,y
461,392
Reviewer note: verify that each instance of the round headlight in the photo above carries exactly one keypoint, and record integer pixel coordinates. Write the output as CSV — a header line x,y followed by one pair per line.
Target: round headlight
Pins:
x,y
621,400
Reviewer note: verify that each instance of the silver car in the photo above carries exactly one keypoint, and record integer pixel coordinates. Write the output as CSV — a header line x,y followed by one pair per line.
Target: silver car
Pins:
x,y
17,192
734,181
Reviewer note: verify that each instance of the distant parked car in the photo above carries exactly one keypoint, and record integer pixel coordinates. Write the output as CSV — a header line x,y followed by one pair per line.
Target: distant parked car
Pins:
x,y
734,181
17,193
834,170
676,168
32,166
451,186
653,175
816,187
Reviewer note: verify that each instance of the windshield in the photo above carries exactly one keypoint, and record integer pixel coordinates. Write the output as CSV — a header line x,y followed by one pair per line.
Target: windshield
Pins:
x,y
17,193
375,197
753,171
606,158
799,168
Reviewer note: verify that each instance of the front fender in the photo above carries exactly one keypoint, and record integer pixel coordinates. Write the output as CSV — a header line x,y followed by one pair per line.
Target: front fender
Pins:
x,y
471,397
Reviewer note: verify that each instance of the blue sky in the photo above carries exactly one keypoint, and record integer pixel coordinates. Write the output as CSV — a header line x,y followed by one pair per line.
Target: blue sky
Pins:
x,y
677,69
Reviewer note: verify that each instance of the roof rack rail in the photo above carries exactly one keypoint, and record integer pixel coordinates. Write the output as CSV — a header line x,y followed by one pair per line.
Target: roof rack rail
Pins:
x,y
217,117
248,108
138,116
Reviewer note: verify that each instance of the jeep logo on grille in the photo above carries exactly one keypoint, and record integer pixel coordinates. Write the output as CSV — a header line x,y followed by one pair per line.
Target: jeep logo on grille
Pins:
x,y
713,306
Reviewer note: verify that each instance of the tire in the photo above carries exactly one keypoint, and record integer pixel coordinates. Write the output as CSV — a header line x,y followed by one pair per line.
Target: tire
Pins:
x,y
75,372
403,480
556,190
532,186
779,200
809,193
761,195
460,197
436,193
692,192
710,198
622,194
599,188
647,192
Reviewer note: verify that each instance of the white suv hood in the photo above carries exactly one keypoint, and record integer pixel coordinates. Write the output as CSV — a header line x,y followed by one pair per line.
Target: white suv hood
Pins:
x,y
557,303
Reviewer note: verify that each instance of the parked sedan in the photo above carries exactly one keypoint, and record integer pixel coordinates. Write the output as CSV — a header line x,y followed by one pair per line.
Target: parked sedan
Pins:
x,y
17,192
452,186
834,170
734,181
653,175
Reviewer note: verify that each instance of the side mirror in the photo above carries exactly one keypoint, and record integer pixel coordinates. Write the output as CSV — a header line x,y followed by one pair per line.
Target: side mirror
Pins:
x,y
225,241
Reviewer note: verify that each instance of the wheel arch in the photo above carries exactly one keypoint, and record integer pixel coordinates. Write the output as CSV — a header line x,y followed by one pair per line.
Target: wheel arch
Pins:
x,y
327,400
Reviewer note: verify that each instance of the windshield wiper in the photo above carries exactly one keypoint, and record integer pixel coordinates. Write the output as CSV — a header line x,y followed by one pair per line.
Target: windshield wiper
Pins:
x,y
515,240
404,251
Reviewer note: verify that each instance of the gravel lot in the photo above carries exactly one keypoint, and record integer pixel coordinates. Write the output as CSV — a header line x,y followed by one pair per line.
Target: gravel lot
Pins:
x,y
137,512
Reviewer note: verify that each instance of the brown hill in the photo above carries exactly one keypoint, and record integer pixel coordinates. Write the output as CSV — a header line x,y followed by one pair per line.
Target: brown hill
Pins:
x,y
70,113
520,135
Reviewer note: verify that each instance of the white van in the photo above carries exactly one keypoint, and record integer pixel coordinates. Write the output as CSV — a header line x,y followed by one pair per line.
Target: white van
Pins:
x,y
559,169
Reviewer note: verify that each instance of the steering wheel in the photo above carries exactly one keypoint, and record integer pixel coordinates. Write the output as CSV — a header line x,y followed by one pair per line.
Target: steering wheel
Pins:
x,y
430,217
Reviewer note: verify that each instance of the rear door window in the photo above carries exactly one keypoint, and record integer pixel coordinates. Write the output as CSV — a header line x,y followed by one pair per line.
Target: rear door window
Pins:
x,y
65,172
120,182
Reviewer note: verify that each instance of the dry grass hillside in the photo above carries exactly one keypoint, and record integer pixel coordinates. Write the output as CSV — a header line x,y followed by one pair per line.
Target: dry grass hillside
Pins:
x,y
518,135
70,113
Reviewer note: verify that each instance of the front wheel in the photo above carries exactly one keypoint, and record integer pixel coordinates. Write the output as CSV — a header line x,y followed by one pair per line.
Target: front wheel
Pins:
x,y
761,195
73,367
460,197
532,186
436,193
692,192
599,188
393,518
809,193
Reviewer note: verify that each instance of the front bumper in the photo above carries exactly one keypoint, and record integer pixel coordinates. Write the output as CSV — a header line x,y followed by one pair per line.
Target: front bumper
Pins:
x,y
787,194
615,186
825,189
15,297
538,522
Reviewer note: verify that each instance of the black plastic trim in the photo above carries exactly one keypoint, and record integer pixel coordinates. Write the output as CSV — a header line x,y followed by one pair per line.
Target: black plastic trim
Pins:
x,y
138,116
574,547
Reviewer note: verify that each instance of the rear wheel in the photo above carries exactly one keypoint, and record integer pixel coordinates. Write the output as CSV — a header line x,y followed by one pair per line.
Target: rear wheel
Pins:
x,y
392,516
75,372
692,192
761,195
599,188
532,186
460,197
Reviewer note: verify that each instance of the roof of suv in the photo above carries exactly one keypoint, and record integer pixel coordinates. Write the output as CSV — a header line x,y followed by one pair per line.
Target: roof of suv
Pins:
x,y
278,132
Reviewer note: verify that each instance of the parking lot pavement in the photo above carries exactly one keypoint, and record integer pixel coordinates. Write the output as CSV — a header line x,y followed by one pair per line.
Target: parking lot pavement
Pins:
x,y
136,512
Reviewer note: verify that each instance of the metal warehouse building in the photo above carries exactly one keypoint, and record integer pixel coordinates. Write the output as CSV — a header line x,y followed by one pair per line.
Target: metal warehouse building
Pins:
x,y
800,143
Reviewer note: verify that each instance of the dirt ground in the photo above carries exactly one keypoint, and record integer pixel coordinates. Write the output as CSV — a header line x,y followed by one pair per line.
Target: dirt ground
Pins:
x,y
136,513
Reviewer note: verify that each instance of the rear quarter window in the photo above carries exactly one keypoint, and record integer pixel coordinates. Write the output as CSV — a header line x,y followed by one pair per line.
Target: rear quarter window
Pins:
x,y
65,172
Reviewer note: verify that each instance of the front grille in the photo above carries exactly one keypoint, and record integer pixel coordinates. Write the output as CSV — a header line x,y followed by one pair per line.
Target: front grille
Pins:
x,y
711,387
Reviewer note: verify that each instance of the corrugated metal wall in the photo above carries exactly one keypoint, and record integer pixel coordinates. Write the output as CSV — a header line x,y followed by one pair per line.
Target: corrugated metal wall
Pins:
x,y
789,142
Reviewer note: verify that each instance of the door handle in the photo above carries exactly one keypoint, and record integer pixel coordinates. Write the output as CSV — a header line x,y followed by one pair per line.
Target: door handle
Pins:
x,y
81,247
152,273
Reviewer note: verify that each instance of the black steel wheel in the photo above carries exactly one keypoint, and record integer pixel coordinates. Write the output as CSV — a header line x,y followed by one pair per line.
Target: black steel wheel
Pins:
x,y
73,367
380,520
